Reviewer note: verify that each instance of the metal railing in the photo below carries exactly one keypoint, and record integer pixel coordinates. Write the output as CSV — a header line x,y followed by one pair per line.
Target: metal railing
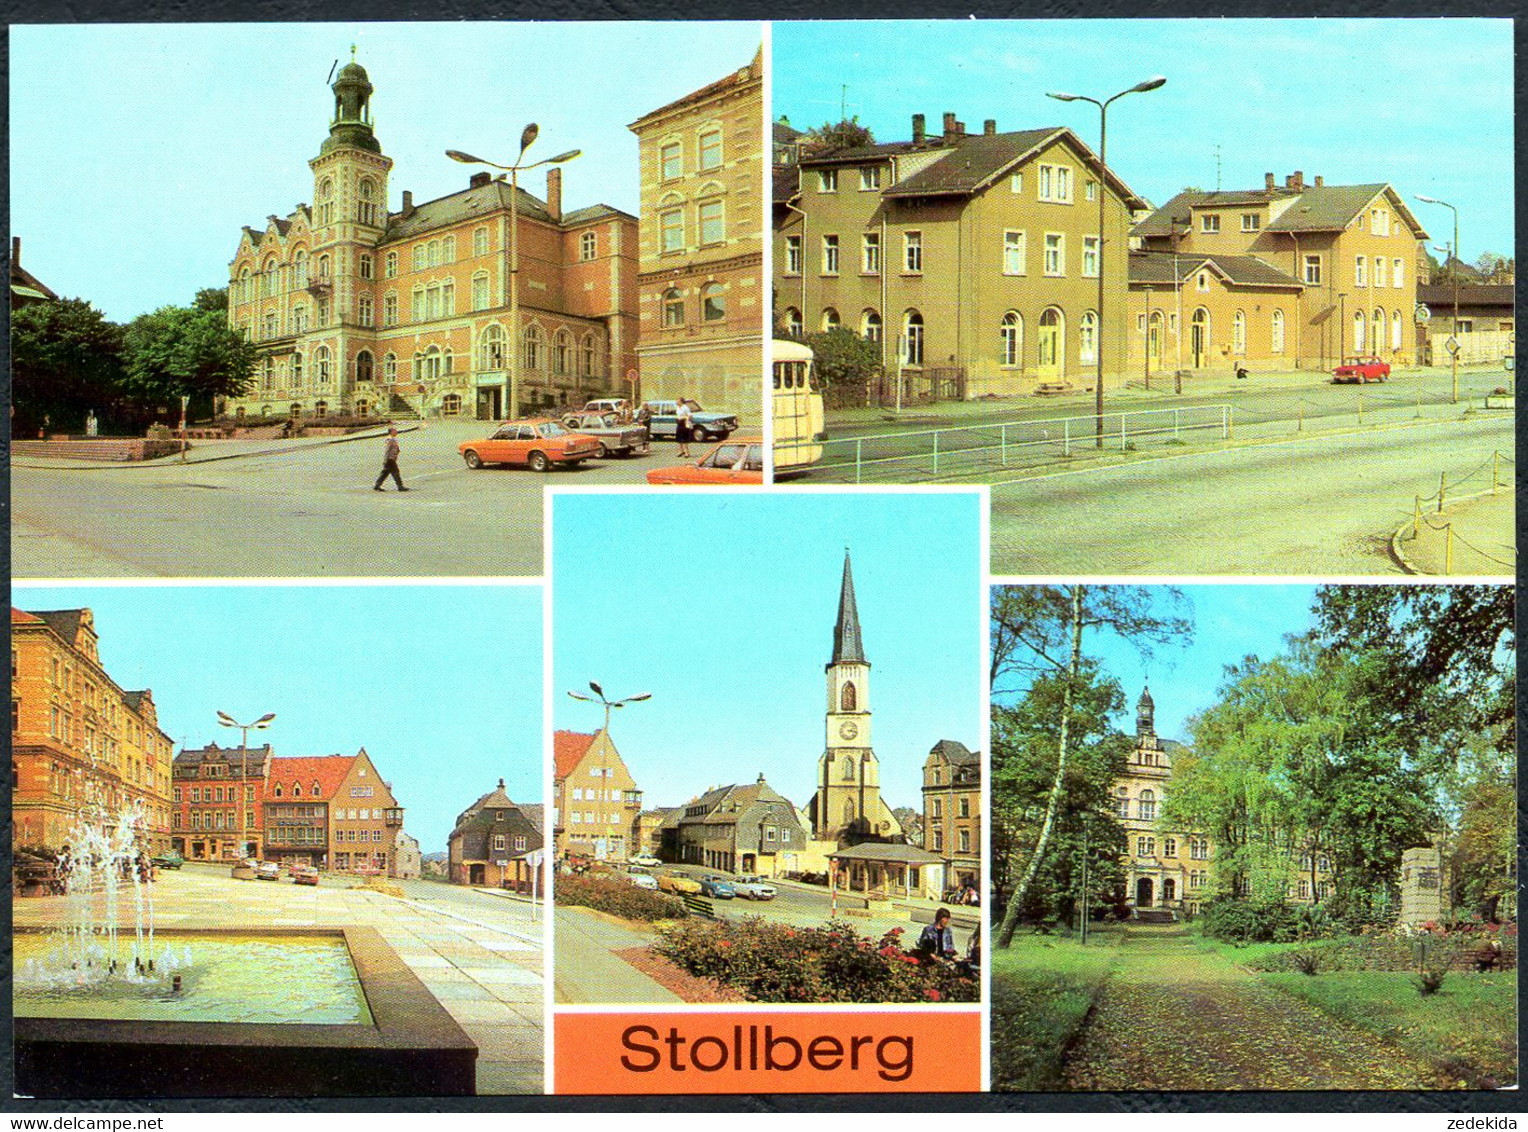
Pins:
x,y
1429,527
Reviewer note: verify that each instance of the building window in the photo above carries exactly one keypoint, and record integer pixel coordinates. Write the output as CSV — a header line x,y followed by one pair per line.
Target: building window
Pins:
x,y
870,178
870,326
367,311
870,253
480,291
1012,338
586,355
480,241
713,228
1313,270
562,352
363,366
296,371
1395,330
1276,337
793,255
534,348
1014,253
1251,221
827,180
1239,332
391,267
1148,805
366,206
912,338
1091,191
936,809
1202,284
1055,253
710,149
1379,271
1016,182
1398,272
830,255
673,308
588,245
1090,256
1169,847
1358,332
1087,337
671,158
912,252
713,303
1379,221
1055,184
363,266
325,202
1209,222
1360,271
1145,846
792,322
390,367
829,320
300,270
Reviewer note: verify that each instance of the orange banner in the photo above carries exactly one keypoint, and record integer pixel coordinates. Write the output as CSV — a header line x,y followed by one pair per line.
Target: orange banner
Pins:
x,y
766,1052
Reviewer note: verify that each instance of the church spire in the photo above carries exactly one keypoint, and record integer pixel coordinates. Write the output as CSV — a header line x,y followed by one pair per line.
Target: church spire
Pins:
x,y
1145,723
847,647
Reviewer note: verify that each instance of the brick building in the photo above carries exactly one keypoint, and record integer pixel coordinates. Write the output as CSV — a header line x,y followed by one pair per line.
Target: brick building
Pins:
x,y
82,747
596,803
219,795
496,843
952,808
358,308
702,276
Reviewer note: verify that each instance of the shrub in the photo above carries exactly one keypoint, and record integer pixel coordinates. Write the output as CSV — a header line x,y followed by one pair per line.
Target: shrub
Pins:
x,y
1306,961
617,898
1241,921
1430,979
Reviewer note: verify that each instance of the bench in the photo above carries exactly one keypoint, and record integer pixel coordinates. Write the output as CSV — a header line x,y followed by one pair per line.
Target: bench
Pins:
x,y
697,905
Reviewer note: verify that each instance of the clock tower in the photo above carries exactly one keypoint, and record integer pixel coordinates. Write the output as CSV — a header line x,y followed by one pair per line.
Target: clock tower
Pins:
x,y
847,806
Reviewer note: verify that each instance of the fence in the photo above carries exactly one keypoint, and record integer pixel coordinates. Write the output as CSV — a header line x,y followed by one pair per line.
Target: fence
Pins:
x,y
1433,539
697,905
962,449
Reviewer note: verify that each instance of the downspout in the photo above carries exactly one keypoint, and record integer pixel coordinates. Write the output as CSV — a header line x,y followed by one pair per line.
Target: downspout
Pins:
x,y
802,212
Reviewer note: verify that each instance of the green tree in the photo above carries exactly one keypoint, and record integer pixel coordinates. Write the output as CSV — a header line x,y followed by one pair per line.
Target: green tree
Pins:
x,y
180,351
842,357
847,134
66,360
1481,795
1038,630
211,299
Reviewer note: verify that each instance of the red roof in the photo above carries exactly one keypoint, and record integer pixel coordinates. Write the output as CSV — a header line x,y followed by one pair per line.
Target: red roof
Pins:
x,y
327,770
568,748
22,617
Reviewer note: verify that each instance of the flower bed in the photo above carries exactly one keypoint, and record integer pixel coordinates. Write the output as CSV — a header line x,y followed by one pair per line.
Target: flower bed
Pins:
x,y
617,898
771,962
1432,946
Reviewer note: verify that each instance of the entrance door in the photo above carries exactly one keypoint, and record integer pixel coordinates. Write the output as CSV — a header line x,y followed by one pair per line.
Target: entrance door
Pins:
x,y
1143,893
475,875
1049,353
1199,334
1169,890
490,404
1154,339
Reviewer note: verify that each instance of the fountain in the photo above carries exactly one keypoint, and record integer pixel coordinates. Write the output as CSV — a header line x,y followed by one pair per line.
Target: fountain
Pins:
x,y
110,1004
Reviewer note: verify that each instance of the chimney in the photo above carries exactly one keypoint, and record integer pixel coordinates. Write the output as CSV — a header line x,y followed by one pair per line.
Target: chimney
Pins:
x,y
1268,181
554,193
1320,181
478,180
1297,182
989,127
951,127
408,202
917,129
15,251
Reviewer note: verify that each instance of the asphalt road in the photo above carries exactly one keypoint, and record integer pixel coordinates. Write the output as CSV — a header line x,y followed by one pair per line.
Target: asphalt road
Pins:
x,y
1314,505
309,512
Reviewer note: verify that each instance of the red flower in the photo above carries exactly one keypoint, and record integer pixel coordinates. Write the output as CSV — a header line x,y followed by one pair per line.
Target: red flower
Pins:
x,y
724,943
933,995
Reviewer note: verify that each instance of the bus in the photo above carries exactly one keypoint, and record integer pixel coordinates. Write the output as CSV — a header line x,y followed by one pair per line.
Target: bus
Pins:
x,y
798,428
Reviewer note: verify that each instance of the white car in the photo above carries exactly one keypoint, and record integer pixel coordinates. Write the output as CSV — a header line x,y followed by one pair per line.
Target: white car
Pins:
x,y
644,880
754,888
647,861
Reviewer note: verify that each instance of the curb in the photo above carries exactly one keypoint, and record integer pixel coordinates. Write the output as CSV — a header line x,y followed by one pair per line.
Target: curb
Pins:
x,y
1400,557
65,465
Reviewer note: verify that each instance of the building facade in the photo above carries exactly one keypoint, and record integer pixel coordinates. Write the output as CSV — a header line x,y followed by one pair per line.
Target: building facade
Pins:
x,y
299,791
407,864
702,275
219,795
1351,250
952,808
495,843
356,308
364,820
972,260
742,829
596,801
82,747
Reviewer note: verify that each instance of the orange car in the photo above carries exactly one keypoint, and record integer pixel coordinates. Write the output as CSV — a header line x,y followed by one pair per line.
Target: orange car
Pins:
x,y
740,460
538,442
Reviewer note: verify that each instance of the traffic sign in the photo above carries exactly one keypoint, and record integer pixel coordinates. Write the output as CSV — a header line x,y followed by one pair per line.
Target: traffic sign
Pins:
x,y
1452,345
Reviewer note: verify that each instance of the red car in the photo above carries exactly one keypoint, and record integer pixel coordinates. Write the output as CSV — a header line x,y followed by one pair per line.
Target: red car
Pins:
x,y
538,443
1357,371
739,461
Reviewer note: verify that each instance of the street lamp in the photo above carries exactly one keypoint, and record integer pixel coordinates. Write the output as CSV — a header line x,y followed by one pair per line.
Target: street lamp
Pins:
x,y
608,704
1454,273
1103,172
527,136
258,725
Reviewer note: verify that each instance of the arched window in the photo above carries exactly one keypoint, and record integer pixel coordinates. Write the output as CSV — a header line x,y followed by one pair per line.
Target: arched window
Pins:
x,y
366,206
1012,352
829,319
363,366
1395,328
870,326
323,267
1239,332
912,338
432,253
1276,340
246,286
272,324
325,202
321,408
300,270
321,365
562,352
451,405
297,371
710,148
390,367
588,354
673,308
792,322
1050,337
713,303
846,768
268,377
1358,332
268,279
364,265
848,811
491,349
1122,802
535,348
1379,329
391,266
1148,805
1087,337
847,697
480,291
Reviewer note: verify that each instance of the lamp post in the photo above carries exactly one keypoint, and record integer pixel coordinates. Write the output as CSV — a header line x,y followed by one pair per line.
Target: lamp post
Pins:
x,y
527,136
608,704
244,728
1454,273
1103,172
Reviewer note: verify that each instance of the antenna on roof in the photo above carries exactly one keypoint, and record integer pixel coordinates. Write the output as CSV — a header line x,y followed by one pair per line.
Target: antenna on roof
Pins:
x,y
332,65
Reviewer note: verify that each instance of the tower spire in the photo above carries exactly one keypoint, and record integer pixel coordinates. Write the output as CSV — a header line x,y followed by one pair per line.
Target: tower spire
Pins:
x,y
847,647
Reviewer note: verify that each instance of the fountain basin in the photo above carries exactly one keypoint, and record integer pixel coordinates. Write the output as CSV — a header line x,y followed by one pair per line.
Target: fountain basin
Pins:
x,y
404,1043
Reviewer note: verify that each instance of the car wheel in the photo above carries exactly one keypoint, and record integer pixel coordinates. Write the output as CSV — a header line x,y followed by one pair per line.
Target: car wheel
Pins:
x,y
702,436
604,453
539,462
474,461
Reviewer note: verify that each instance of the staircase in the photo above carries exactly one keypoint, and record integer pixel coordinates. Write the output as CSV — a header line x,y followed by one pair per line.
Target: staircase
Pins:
x,y
1155,916
399,409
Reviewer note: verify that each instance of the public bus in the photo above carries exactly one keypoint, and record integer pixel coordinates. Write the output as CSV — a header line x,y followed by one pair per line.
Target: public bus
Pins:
x,y
798,428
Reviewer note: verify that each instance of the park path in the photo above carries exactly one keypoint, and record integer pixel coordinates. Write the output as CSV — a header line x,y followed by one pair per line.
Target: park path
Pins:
x,y
1173,1017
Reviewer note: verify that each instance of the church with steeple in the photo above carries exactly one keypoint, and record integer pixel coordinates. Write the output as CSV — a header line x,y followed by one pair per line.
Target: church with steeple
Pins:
x,y
357,307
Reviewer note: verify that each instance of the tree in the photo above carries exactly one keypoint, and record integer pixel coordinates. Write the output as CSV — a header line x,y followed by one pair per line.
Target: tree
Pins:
x,y
842,357
211,299
911,822
181,351
1038,630
847,134
66,360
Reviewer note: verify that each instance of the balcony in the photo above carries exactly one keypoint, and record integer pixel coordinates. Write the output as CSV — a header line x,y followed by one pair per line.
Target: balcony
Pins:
x,y
320,287
393,817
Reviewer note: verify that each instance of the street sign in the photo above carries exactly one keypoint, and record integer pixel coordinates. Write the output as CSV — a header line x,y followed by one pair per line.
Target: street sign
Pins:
x,y
1423,314
1452,345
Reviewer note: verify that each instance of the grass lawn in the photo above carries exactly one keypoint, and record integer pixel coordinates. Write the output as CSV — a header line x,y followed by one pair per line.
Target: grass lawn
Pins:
x,y
1042,987
1469,1028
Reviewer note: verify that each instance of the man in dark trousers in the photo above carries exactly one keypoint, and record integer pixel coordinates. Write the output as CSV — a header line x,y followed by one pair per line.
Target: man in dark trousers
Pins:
x,y
390,462
937,940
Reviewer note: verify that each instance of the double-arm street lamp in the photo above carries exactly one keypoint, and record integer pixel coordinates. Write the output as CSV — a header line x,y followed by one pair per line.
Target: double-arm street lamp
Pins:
x,y
599,698
1454,274
260,724
1103,173
527,136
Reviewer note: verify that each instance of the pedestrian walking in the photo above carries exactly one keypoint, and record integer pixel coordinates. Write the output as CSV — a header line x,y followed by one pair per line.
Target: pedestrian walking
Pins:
x,y
684,430
390,462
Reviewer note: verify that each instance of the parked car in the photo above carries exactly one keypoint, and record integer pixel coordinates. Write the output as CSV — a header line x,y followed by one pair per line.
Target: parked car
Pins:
x,y
678,883
616,439
620,406
538,443
644,880
719,888
170,860
304,874
754,888
268,870
1360,369
647,861
738,461
664,421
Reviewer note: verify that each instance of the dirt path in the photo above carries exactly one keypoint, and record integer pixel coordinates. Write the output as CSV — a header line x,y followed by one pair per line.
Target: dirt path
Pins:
x,y
1173,1017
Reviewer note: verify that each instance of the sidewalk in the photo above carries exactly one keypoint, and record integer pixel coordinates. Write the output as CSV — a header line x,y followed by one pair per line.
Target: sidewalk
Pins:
x,y
588,972
209,451
1482,531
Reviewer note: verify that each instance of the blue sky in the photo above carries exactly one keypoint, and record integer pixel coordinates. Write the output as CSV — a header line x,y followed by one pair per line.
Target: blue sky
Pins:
x,y
1424,104
139,151
440,684
722,606
1231,622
